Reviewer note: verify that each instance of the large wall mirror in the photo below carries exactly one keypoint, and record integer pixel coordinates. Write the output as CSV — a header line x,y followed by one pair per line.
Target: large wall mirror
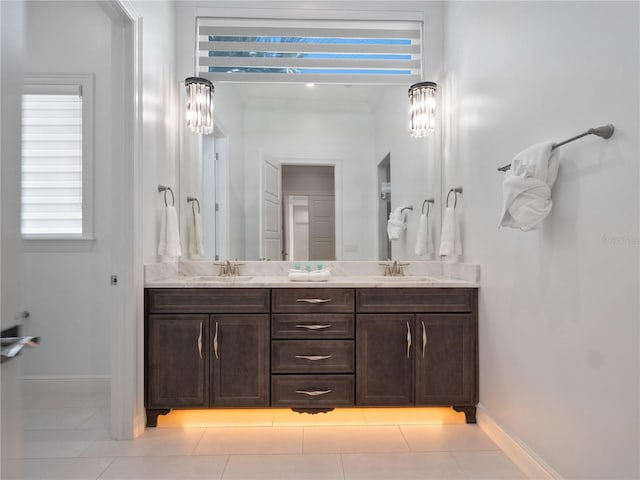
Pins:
x,y
307,173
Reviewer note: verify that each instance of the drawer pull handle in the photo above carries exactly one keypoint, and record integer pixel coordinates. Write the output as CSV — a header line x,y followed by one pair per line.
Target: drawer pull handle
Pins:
x,y
314,358
408,339
313,327
313,301
313,393
200,342
424,339
215,342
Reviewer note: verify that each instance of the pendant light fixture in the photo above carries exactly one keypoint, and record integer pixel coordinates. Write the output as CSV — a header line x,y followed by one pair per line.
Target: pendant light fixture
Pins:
x,y
199,104
422,108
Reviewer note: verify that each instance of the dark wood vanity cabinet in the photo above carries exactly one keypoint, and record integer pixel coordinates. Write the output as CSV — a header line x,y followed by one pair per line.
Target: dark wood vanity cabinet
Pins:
x,y
310,348
419,348
217,355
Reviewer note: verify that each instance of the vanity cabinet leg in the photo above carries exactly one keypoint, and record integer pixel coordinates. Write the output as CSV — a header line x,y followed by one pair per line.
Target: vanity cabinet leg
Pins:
x,y
469,412
152,415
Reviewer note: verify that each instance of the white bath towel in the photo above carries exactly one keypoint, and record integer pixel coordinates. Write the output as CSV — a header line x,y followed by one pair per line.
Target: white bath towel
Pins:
x,y
196,248
396,225
322,275
296,275
424,239
450,244
527,187
169,243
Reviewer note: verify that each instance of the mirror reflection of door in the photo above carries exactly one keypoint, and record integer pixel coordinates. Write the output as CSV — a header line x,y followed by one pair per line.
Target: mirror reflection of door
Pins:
x,y
384,207
308,212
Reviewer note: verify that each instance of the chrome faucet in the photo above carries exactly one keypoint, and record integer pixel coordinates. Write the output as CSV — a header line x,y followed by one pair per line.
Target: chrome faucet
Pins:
x,y
228,269
394,269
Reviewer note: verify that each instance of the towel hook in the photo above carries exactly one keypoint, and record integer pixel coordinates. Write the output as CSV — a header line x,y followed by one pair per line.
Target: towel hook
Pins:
x,y
428,202
455,191
162,188
193,201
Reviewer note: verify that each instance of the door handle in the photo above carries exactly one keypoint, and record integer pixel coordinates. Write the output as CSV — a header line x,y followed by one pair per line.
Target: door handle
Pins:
x,y
313,358
215,342
200,342
313,301
313,393
424,339
12,346
408,339
314,327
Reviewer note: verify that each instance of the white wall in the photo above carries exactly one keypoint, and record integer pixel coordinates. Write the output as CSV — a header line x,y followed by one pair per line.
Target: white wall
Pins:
x,y
67,292
159,116
558,306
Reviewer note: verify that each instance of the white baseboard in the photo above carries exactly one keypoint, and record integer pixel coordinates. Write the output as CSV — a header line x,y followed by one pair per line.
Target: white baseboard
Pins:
x,y
68,383
518,452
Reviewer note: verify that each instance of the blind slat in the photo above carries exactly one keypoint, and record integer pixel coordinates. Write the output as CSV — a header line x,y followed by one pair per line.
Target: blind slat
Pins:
x,y
253,31
267,62
304,78
206,47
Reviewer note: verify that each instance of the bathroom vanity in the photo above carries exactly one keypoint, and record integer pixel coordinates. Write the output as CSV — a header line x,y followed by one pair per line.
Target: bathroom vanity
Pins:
x,y
310,347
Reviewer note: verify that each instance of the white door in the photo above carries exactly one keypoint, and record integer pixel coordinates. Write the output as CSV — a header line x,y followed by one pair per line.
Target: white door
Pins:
x,y
11,262
322,227
271,220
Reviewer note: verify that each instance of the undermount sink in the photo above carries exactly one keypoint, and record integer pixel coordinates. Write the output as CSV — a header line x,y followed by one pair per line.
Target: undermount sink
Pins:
x,y
220,279
401,279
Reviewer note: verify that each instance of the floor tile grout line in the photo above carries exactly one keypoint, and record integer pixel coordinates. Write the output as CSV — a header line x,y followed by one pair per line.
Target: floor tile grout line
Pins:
x,y
197,444
224,469
105,468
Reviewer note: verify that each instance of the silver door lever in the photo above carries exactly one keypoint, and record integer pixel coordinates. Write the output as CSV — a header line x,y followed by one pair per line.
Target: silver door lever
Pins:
x,y
12,346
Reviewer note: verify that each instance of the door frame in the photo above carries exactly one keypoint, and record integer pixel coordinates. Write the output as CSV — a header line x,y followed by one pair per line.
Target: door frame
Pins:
x,y
127,316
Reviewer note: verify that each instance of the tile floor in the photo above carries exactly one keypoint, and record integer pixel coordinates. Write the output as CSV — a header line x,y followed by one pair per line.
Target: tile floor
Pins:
x,y
72,443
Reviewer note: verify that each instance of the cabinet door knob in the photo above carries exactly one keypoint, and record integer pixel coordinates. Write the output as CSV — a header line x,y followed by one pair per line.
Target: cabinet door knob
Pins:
x,y
408,339
314,358
313,393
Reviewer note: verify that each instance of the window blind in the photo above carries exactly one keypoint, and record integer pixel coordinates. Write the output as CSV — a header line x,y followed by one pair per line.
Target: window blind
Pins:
x,y
52,160
342,52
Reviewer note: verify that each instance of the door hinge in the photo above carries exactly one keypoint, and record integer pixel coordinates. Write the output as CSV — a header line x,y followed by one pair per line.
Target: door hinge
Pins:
x,y
216,156
217,207
114,280
217,257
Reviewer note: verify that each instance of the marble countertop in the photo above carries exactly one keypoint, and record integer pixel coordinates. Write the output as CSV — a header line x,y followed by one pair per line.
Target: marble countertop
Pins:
x,y
338,281
346,274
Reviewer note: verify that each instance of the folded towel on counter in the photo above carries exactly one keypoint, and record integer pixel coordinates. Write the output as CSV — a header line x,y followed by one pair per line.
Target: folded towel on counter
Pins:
x,y
424,239
296,275
527,187
169,243
450,244
396,225
196,248
321,275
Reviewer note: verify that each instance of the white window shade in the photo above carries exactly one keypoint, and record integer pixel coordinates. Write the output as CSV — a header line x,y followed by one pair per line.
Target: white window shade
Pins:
x,y
343,52
57,158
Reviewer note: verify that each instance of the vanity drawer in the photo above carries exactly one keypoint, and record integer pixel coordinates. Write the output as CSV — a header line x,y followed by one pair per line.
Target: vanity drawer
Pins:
x,y
207,300
312,356
313,300
312,325
312,391
380,300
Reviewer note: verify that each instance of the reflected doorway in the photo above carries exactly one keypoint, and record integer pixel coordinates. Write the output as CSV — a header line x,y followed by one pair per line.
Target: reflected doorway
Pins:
x,y
308,212
384,207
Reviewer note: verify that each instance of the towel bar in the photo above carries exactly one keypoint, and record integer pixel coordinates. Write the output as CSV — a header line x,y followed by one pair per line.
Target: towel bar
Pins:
x,y
455,191
604,131
162,188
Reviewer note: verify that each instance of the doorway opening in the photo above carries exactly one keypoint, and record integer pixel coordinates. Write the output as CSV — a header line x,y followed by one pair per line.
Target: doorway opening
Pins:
x,y
384,207
308,212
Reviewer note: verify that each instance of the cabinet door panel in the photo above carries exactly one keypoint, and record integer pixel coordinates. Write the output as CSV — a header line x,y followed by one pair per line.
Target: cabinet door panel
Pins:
x,y
445,363
177,361
240,360
385,359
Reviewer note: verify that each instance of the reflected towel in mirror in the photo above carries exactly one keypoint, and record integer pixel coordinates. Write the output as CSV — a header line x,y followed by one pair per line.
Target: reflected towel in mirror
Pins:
x,y
450,244
424,238
169,242
396,225
196,248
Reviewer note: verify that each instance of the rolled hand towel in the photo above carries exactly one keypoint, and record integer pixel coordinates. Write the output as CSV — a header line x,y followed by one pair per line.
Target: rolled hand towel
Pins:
x,y
169,242
527,187
424,239
298,275
196,248
450,244
396,225
321,275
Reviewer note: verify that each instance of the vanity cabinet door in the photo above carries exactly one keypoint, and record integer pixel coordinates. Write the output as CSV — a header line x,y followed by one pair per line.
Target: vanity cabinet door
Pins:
x,y
177,361
446,359
385,346
239,349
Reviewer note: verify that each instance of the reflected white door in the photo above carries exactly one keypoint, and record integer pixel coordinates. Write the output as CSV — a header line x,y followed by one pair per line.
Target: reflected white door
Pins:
x,y
11,260
271,220
322,227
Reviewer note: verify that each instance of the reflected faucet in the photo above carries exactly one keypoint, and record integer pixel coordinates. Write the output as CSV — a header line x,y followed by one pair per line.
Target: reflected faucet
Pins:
x,y
228,269
394,269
